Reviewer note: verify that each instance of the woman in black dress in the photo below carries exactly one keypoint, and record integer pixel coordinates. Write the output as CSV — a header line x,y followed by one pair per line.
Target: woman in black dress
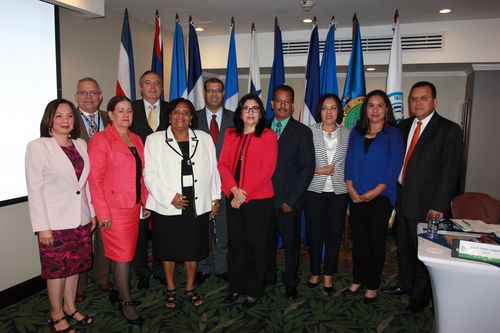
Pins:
x,y
184,191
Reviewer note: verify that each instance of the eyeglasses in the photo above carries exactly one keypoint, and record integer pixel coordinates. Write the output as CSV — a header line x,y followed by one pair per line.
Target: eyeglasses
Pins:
x,y
214,91
183,113
92,93
251,109
423,99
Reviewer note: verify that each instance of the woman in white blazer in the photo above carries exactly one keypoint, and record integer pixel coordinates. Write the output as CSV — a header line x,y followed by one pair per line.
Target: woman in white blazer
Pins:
x,y
57,167
326,198
180,172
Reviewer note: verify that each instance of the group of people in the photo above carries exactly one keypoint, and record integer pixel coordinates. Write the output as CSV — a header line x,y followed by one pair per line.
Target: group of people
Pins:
x,y
236,182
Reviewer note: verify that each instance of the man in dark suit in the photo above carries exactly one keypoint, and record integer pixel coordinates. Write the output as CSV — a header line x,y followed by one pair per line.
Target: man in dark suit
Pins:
x,y
150,115
214,119
428,181
88,96
293,174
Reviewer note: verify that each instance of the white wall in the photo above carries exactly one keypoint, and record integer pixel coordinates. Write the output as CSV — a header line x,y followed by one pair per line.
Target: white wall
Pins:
x,y
464,43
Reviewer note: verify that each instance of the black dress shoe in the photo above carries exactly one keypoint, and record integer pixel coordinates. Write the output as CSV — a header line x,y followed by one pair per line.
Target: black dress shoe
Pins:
x,y
416,306
328,290
312,285
249,302
291,292
394,291
143,283
232,297
201,277
222,276
369,300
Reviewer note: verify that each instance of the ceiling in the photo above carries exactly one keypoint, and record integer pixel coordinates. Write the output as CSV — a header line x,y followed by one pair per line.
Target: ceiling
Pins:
x,y
215,15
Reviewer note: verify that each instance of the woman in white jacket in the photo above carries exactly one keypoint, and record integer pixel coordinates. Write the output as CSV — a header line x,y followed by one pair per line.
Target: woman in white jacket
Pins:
x,y
184,191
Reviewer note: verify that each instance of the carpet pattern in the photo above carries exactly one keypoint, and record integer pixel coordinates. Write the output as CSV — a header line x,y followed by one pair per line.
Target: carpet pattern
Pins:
x,y
312,311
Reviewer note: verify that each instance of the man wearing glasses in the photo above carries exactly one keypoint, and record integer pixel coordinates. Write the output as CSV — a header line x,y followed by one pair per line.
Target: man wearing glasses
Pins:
x,y
214,119
294,172
88,96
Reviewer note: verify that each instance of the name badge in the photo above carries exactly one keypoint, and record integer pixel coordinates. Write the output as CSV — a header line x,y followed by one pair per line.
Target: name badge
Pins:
x,y
187,181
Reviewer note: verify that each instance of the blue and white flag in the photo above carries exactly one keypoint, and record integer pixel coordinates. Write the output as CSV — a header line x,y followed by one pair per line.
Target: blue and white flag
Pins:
x,y
157,59
354,89
125,82
278,69
178,86
311,95
394,73
231,91
328,70
253,68
195,78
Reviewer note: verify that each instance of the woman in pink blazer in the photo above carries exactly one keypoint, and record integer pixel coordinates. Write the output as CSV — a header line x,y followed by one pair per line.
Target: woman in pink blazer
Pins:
x,y
118,192
57,167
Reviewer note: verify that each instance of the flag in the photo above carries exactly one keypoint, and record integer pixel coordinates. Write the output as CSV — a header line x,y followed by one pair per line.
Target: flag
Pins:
x,y
157,61
253,69
178,86
328,70
125,82
231,91
311,95
394,73
195,78
278,69
354,89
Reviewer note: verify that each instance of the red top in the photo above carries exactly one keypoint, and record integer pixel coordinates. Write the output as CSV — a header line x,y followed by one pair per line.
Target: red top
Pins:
x,y
257,165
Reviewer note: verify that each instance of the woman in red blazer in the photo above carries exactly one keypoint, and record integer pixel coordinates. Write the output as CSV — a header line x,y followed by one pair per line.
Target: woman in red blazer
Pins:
x,y
118,192
246,165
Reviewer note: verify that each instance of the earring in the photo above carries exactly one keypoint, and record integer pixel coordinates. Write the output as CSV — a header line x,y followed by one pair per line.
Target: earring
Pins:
x,y
50,131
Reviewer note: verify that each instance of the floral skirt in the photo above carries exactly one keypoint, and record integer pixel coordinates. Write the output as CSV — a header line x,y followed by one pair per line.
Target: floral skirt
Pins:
x,y
70,254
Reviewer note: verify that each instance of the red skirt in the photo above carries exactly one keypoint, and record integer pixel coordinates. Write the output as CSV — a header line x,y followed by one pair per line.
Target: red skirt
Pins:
x,y
70,254
120,240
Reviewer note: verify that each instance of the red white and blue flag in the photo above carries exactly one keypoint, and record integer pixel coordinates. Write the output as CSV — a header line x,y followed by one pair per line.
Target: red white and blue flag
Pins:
x,y
125,82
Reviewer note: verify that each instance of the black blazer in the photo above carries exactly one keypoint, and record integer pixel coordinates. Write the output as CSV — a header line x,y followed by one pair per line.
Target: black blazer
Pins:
x,y
295,166
83,130
140,124
432,176
226,122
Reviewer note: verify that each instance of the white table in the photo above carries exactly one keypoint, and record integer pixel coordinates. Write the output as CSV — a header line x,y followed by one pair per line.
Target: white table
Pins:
x,y
466,293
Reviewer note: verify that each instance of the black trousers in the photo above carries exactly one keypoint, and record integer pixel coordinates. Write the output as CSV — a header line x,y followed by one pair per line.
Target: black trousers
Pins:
x,y
249,230
325,218
369,223
413,275
140,262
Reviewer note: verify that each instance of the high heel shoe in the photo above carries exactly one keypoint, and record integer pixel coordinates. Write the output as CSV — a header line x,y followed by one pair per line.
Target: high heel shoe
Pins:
x,y
115,298
85,321
52,325
137,321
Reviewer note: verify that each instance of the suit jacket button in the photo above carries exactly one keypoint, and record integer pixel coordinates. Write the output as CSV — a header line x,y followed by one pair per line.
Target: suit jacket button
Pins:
x,y
196,198
77,192
195,180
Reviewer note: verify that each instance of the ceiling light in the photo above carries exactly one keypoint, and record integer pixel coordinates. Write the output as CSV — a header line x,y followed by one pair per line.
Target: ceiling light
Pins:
x,y
199,29
307,20
307,4
370,69
445,11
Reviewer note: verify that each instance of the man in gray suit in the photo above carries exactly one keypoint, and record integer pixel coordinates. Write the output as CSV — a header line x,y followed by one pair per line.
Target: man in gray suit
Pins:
x,y
88,96
214,119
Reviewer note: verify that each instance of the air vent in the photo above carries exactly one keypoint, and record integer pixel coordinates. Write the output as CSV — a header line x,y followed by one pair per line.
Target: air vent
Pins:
x,y
373,44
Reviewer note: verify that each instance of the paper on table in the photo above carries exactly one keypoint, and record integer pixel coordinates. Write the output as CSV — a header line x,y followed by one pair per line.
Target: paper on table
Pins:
x,y
476,226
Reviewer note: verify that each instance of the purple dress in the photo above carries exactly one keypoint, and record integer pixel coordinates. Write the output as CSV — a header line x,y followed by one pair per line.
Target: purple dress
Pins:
x,y
71,252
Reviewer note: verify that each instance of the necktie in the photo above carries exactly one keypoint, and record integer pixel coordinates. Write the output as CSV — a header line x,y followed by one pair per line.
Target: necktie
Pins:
x,y
278,128
214,128
92,126
153,117
413,143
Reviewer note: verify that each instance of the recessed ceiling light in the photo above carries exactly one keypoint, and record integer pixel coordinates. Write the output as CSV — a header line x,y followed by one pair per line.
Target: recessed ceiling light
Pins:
x,y
371,69
445,11
199,29
307,20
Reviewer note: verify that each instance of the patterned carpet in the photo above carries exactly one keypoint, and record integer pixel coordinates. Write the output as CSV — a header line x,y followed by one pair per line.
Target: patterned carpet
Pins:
x,y
312,311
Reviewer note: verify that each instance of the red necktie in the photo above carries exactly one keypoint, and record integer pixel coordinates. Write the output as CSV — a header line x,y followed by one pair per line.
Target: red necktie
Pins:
x,y
214,128
413,143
